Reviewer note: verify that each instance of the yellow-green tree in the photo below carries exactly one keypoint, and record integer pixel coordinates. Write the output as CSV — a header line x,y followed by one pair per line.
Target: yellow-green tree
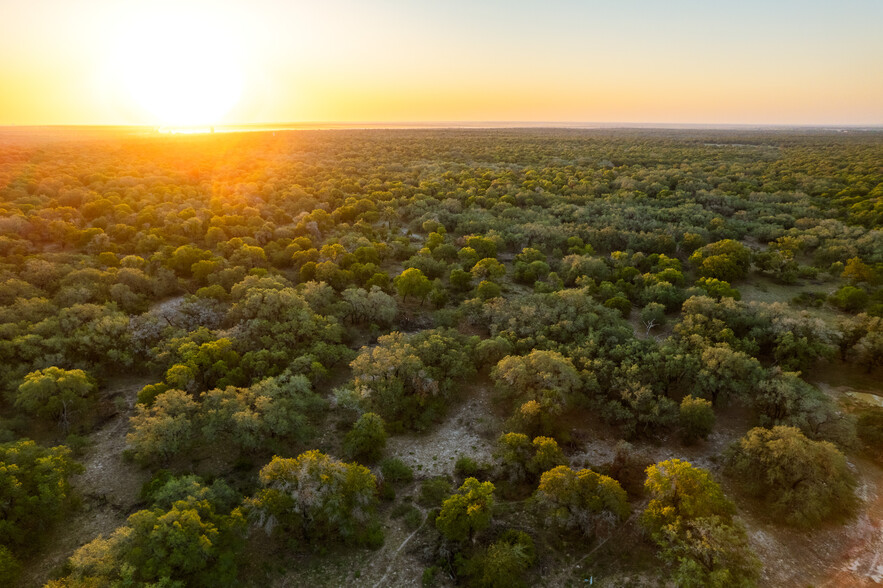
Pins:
x,y
691,521
696,418
468,511
802,481
582,499
35,492
412,282
64,395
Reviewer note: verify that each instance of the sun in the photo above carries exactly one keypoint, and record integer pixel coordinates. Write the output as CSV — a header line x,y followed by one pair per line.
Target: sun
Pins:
x,y
183,69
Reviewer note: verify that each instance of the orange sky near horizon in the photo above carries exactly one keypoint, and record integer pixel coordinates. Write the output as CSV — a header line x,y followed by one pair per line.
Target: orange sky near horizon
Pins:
x,y
192,61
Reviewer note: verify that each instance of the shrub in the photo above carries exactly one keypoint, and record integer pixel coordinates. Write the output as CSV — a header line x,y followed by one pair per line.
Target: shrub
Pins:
x,y
434,491
696,419
628,468
487,290
504,563
718,288
148,393
367,438
850,299
396,471
428,578
869,427
466,466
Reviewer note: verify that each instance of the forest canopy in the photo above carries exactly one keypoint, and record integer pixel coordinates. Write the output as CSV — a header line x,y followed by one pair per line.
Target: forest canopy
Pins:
x,y
490,347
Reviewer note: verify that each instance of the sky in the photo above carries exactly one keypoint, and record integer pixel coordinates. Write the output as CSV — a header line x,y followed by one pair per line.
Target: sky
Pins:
x,y
283,61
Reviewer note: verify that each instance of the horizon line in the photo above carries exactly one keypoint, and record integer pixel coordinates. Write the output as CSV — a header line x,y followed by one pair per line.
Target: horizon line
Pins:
x,y
458,124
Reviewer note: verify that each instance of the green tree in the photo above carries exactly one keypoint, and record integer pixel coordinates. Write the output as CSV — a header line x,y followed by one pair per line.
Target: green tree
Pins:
x,y
410,378
203,366
503,564
522,457
487,290
696,419
725,260
784,398
547,455
620,303
710,553
35,493
514,450
370,306
803,482
466,512
190,537
10,567
525,377
249,418
461,281
488,269
367,438
188,543
726,374
64,395
412,282
184,257
164,428
484,247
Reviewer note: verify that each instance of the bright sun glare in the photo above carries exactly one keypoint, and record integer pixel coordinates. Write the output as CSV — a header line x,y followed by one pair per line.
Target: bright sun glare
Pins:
x,y
182,69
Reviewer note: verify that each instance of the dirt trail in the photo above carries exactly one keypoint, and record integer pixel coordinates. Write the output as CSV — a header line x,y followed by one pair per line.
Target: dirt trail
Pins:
x,y
394,555
108,477
109,488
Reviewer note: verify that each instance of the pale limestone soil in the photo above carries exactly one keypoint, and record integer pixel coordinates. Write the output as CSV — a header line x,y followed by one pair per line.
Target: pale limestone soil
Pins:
x,y
470,430
860,562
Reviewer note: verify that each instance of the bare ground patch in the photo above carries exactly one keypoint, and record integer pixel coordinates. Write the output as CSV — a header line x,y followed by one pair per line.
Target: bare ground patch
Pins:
x,y
469,430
